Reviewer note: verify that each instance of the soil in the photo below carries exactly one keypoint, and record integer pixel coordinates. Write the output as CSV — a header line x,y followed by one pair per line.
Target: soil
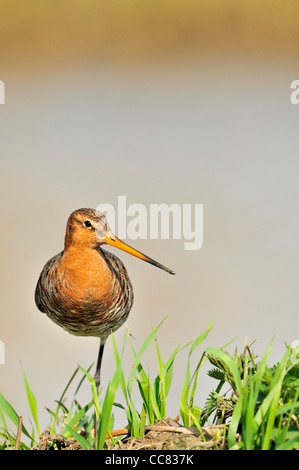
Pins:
x,y
167,434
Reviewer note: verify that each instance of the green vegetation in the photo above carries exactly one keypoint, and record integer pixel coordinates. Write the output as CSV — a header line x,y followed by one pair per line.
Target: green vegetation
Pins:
x,y
257,403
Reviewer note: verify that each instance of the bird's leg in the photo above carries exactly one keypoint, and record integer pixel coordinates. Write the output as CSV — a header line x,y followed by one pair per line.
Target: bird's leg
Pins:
x,y
97,379
97,376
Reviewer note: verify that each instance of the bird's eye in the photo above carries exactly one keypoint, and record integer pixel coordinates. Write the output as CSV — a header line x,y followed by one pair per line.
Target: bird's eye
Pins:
x,y
87,224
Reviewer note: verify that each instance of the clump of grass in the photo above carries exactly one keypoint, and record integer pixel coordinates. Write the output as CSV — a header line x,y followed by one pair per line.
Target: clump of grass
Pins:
x,y
260,407
263,404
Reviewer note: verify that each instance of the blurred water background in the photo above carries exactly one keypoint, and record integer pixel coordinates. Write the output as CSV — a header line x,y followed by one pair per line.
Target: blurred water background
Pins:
x,y
163,102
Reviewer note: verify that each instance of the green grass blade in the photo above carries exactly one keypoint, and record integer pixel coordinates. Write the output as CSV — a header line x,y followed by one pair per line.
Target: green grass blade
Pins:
x,y
184,402
132,415
12,414
60,404
200,338
5,432
68,384
160,392
107,406
60,401
169,369
137,367
94,393
270,403
149,399
195,376
82,441
80,381
288,408
137,357
32,402
76,418
235,421
117,361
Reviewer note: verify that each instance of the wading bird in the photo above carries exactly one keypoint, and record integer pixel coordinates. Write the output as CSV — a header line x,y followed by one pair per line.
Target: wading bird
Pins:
x,y
84,289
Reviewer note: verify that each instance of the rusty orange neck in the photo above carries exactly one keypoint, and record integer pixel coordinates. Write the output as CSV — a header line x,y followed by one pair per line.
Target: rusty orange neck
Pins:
x,y
86,273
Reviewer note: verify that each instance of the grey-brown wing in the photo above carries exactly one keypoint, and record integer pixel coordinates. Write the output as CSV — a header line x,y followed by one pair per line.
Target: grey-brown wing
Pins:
x,y
43,286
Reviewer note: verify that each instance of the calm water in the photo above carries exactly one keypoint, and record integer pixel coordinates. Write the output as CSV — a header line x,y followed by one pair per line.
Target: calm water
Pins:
x,y
225,137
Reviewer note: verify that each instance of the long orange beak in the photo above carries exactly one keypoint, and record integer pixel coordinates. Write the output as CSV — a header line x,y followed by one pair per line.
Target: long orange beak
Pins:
x,y
112,240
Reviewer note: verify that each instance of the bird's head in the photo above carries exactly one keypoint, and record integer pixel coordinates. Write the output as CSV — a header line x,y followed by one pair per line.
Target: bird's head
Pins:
x,y
90,228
